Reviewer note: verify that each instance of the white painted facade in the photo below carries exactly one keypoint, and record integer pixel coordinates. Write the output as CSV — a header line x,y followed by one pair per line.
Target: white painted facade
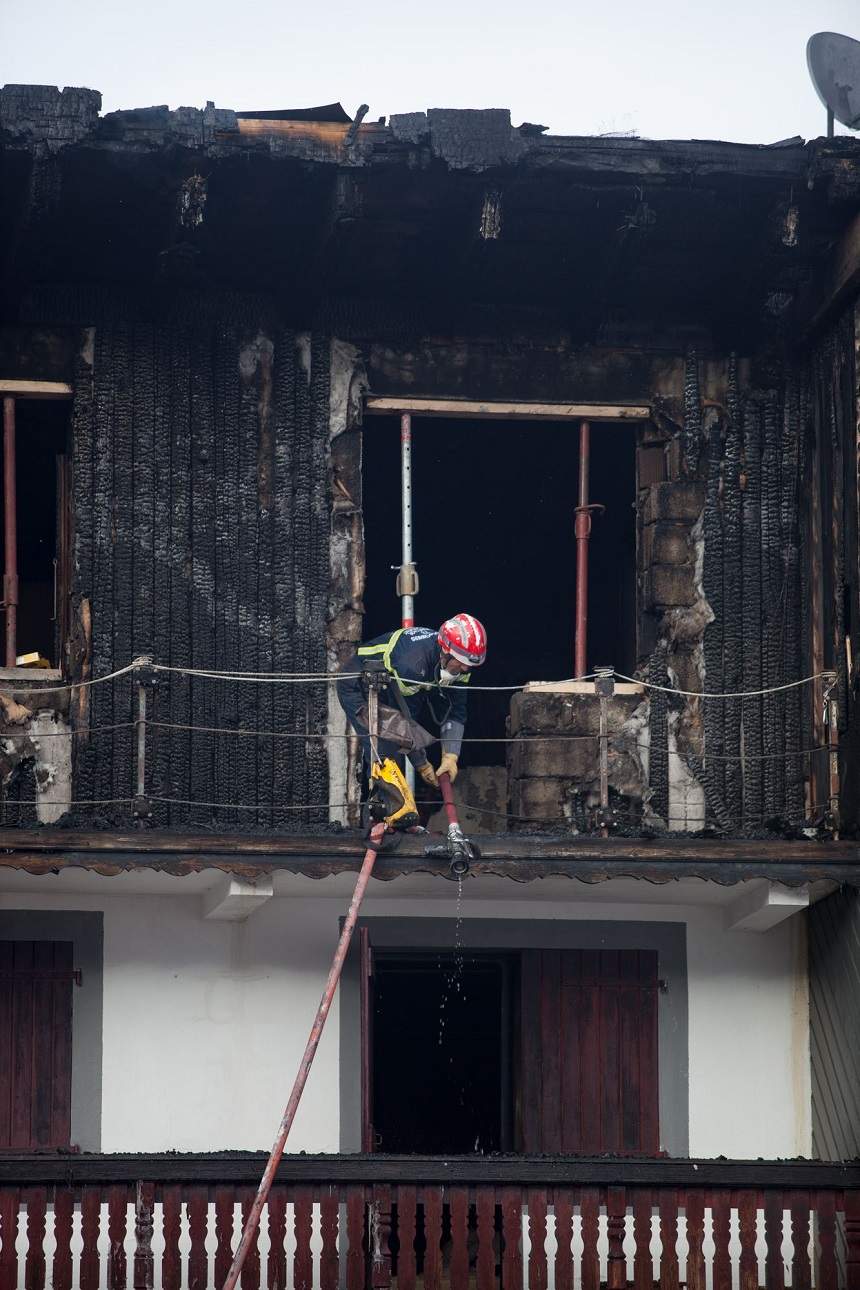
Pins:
x,y
204,1019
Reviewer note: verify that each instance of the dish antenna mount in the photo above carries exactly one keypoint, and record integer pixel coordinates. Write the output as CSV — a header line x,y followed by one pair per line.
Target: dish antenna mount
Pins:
x,y
834,65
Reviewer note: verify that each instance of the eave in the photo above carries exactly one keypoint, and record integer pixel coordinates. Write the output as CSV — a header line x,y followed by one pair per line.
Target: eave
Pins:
x,y
522,858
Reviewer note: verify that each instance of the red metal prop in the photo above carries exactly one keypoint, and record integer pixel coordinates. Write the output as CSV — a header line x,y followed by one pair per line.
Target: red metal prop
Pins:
x,y
253,1219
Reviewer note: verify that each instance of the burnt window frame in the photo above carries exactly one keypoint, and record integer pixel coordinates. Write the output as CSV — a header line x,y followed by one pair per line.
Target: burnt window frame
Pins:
x,y
12,392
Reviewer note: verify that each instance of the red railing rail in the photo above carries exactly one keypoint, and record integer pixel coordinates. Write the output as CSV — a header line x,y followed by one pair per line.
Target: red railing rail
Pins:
x,y
502,1223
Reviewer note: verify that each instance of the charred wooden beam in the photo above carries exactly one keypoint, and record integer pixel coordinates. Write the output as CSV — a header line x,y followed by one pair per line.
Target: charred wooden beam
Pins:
x,y
245,1166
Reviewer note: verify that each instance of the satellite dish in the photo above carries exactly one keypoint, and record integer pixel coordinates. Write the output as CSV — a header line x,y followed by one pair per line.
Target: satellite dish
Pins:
x,y
834,65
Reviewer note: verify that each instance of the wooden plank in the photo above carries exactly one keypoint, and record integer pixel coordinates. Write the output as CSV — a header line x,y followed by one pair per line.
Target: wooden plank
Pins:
x,y
643,1266
536,1201
329,1207
59,842
6,1045
548,1055
721,1226
117,1264
250,1279
224,1200
801,1268
589,1208
37,389
610,1052
649,1077
578,687
571,1056
590,1073
406,1214
563,1198
355,1258
9,1203
432,1278
64,1208
61,1046
512,1233
41,1096
144,1263
694,1209
747,1230
197,1211
476,410
616,1212
630,1085
34,1266
303,1263
458,1201
530,1046
90,1271
774,1268
667,1203
22,1045
485,1269
276,1267
827,1267
171,1213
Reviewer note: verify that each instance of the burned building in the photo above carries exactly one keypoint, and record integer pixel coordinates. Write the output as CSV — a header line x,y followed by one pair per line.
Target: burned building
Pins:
x,y
213,326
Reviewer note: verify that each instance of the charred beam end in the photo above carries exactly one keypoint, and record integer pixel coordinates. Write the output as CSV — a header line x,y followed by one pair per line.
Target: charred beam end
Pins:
x,y
245,1167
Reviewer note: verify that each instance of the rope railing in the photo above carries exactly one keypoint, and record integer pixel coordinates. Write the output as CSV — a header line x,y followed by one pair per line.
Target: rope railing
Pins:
x,y
142,670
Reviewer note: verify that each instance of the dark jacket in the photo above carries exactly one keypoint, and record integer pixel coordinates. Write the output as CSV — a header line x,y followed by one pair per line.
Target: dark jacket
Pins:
x,y
413,654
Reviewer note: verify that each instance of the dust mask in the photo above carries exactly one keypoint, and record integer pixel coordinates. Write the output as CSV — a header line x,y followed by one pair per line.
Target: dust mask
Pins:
x,y
446,677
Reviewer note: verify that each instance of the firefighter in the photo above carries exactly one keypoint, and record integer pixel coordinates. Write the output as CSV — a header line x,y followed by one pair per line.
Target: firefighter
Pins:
x,y
441,663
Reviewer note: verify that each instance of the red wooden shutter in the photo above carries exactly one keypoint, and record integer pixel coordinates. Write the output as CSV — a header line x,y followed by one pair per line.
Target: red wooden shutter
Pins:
x,y
589,1052
35,1043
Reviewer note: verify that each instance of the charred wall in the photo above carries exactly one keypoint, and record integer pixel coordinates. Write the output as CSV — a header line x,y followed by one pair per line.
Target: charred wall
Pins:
x,y
202,527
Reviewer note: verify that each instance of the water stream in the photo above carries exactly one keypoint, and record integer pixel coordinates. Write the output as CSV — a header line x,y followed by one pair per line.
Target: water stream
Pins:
x,y
454,974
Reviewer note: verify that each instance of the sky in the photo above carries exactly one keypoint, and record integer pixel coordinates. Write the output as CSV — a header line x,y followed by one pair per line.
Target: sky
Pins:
x,y
670,69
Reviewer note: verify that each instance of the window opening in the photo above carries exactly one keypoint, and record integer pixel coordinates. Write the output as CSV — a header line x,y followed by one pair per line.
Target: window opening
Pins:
x,y
37,546
441,1053
494,534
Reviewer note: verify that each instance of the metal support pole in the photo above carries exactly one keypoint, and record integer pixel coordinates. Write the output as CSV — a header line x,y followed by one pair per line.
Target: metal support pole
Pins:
x,y
253,1220
407,581
10,532
407,571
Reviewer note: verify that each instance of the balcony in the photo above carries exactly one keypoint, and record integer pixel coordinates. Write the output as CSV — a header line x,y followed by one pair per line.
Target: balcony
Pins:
x,y
170,1222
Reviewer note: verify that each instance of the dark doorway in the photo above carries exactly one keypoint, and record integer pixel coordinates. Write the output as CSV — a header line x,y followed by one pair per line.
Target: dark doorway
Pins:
x,y
441,1053
494,535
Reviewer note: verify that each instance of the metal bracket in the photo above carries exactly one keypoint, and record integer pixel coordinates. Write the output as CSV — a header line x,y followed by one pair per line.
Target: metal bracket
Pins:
x,y
407,583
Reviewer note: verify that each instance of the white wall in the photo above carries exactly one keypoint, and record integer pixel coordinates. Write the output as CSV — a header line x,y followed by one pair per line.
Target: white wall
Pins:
x,y
204,1022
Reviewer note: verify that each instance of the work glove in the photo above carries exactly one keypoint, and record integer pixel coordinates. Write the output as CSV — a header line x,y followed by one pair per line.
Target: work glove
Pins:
x,y
448,766
428,774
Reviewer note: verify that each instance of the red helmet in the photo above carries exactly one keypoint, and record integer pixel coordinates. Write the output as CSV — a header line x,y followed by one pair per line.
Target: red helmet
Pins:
x,y
465,638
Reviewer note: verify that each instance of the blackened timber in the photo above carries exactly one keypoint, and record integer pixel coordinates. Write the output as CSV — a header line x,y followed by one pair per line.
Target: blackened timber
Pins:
x,y
751,594
101,502
266,752
246,466
122,603
283,578
203,752
142,464
712,578
239,1167
302,554
320,524
773,734
158,762
226,560
180,537
732,593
